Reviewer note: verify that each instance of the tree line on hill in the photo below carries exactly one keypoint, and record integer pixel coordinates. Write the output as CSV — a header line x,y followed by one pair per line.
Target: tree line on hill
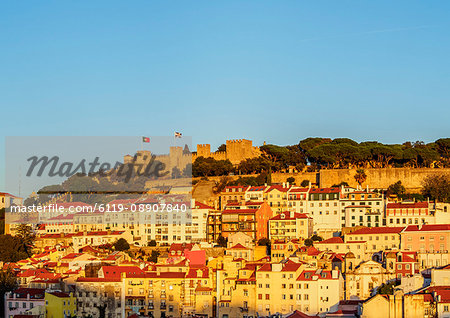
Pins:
x,y
326,153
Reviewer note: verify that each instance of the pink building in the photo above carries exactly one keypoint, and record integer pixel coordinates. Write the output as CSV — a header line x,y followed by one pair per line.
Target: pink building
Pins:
x,y
426,238
22,300
409,213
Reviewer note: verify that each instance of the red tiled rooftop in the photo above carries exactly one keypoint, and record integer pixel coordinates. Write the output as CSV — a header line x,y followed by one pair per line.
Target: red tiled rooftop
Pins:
x,y
238,247
288,216
278,187
377,230
333,240
325,190
298,190
299,314
407,205
428,227
199,205
308,275
240,211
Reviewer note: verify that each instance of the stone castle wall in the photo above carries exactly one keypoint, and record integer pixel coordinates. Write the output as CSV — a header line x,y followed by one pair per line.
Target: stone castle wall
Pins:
x,y
380,178
237,151
411,178
175,158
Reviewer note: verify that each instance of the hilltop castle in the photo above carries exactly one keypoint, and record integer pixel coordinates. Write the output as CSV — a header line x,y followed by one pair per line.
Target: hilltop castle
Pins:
x,y
237,151
175,158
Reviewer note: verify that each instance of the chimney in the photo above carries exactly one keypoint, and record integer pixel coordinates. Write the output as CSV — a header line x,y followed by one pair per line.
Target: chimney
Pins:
x,y
277,267
334,274
284,184
287,184
291,214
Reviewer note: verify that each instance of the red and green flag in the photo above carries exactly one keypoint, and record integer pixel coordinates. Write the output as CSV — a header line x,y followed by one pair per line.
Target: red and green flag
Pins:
x,y
145,139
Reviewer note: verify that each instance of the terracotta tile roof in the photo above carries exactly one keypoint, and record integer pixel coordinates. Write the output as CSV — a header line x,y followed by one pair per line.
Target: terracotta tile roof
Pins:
x,y
377,230
325,190
240,211
299,190
199,205
201,288
116,271
291,266
408,205
247,203
277,187
299,314
35,293
428,227
333,240
308,275
180,247
238,247
442,291
312,251
60,294
71,256
194,273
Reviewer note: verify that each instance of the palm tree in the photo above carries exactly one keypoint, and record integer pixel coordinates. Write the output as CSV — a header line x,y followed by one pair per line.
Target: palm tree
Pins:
x,y
360,176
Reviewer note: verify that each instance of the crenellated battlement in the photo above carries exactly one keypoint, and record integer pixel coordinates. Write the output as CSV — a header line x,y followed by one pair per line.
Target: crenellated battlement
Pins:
x,y
237,151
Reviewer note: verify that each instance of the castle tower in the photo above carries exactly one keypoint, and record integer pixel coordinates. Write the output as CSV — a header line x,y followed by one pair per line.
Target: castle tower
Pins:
x,y
238,150
204,150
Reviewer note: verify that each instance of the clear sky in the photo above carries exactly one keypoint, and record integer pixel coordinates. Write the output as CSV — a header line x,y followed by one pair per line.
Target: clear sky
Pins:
x,y
275,71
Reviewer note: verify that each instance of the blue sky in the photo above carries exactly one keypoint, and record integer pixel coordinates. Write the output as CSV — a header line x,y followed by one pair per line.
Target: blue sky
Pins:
x,y
275,71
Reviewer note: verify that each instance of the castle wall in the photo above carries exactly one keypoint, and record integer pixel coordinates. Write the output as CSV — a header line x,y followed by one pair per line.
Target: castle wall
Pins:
x,y
175,158
411,178
278,177
237,151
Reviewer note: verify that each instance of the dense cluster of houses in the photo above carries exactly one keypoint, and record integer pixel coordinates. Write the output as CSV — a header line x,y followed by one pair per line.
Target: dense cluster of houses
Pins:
x,y
267,251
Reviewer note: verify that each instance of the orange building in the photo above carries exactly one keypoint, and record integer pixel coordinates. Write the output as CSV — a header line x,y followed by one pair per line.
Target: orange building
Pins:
x,y
251,220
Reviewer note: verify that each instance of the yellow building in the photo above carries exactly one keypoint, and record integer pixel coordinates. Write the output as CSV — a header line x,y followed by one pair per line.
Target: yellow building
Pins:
x,y
59,304
398,306
281,249
276,197
290,225
338,246
377,238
